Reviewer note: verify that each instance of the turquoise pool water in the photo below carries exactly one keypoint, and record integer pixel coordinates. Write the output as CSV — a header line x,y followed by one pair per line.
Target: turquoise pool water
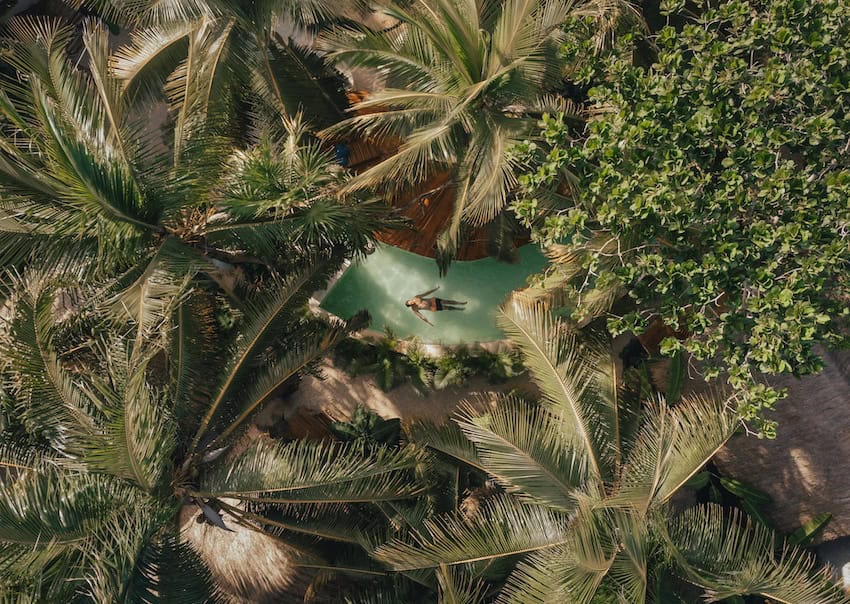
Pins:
x,y
382,282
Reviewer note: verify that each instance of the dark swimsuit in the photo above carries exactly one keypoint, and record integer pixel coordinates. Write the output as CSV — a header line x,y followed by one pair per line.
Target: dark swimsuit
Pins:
x,y
438,304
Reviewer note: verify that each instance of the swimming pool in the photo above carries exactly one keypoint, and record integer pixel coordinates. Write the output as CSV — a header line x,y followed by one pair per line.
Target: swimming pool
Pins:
x,y
382,282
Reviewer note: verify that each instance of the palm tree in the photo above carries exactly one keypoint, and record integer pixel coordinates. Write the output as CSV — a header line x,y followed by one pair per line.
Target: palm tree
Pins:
x,y
85,183
226,44
467,80
106,445
589,478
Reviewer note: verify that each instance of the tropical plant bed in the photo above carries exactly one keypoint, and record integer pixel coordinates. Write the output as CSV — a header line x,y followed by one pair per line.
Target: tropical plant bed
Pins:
x,y
394,361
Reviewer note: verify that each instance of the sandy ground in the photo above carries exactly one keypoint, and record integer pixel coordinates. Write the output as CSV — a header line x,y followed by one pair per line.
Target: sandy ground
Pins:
x,y
338,394
804,469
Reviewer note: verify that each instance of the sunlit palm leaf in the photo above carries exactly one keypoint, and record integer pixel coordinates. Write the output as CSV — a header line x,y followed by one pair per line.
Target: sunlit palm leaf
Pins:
x,y
44,537
524,449
447,440
147,12
567,382
111,559
503,527
148,302
190,87
136,436
672,445
109,89
144,64
53,405
457,588
599,540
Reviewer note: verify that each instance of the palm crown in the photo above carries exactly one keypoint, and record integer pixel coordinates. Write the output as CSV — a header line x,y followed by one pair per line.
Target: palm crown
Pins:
x,y
232,47
129,434
87,184
465,82
588,476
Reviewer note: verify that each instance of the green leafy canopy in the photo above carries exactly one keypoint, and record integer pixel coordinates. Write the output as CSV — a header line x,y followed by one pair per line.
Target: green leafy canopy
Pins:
x,y
714,189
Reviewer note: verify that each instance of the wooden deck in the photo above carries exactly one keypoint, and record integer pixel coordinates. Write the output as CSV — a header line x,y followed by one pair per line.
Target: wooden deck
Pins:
x,y
429,209
428,206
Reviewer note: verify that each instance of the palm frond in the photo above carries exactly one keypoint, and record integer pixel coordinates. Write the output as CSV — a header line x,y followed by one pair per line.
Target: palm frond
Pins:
x,y
192,348
608,17
488,159
109,90
76,165
502,528
298,358
190,87
170,570
730,555
147,303
423,152
604,545
448,440
280,196
36,230
19,457
559,367
264,321
327,223
111,559
143,64
567,263
672,445
52,403
136,437
44,539
291,79
524,449
93,186
341,523
148,12
457,588
314,472
406,52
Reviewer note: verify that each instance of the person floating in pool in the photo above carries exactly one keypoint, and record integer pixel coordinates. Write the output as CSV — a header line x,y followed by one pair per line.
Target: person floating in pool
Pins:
x,y
420,302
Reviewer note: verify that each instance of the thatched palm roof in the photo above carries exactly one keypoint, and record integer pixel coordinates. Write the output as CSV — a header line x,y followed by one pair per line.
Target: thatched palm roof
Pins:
x,y
249,567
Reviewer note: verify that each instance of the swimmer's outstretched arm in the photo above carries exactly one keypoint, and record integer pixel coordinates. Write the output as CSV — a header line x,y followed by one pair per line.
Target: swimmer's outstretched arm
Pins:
x,y
419,314
430,291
